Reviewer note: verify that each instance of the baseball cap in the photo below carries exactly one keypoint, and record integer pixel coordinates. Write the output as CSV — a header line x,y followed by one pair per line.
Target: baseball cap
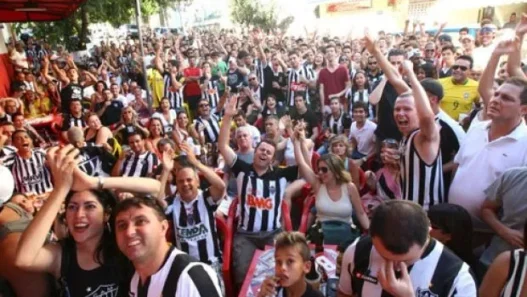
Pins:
x,y
433,87
7,186
445,38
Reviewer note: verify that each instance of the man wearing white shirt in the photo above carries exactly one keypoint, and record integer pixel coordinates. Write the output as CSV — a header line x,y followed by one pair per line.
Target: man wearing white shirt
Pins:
x,y
114,88
362,133
490,148
241,121
481,54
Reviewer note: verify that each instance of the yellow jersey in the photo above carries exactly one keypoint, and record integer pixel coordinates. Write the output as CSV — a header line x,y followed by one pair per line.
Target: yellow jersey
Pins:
x,y
157,86
458,99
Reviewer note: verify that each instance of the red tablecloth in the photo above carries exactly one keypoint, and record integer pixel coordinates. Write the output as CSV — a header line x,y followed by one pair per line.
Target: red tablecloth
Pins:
x,y
262,266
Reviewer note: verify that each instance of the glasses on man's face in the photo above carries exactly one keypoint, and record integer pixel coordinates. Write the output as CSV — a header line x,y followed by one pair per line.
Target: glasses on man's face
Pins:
x,y
323,169
463,68
429,50
203,105
372,63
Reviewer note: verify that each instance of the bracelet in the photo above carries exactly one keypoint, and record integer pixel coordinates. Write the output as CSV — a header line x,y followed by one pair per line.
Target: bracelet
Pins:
x,y
100,184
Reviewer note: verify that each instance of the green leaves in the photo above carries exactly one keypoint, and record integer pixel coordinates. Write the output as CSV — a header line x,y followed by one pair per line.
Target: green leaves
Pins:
x,y
253,13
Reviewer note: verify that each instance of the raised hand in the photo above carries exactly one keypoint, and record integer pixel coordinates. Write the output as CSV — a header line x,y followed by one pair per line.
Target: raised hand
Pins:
x,y
507,46
189,152
408,67
168,159
62,162
521,28
369,42
230,108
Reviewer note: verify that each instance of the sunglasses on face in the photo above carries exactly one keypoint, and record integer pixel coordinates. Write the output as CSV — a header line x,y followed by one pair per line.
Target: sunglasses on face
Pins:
x,y
372,63
203,105
429,50
323,169
463,68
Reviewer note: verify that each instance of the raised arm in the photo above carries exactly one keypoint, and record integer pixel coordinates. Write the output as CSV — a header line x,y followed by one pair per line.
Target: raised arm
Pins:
x,y
486,82
225,131
32,253
391,73
376,95
514,62
167,161
427,124
217,186
299,141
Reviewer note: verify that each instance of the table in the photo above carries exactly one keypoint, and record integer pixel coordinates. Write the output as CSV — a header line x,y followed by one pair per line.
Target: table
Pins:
x,y
262,265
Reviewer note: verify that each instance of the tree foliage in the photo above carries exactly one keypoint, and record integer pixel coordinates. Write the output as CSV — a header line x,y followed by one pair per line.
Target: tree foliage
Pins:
x,y
251,13
115,12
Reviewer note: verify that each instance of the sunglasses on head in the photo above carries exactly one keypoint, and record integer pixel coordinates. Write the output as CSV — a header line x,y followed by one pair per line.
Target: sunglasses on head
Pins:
x,y
323,169
463,68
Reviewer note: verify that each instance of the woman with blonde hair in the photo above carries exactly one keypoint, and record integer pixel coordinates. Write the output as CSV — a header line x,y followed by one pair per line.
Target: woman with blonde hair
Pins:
x,y
157,132
339,146
336,196
129,123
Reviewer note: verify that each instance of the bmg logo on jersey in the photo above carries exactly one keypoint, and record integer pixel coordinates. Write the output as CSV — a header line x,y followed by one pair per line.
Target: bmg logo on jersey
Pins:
x,y
259,202
425,293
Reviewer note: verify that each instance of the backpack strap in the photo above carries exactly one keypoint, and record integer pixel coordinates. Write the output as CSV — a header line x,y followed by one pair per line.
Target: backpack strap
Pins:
x,y
361,261
179,264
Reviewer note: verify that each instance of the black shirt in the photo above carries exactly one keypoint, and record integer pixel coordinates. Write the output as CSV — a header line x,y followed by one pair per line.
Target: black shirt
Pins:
x,y
269,77
234,79
310,292
112,114
96,161
309,117
70,121
69,92
386,126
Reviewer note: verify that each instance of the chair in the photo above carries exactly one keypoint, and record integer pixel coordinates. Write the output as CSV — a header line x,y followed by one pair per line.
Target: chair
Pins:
x,y
230,229
306,210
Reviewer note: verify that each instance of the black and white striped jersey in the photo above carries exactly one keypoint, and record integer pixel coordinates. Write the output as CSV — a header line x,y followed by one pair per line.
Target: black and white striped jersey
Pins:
x,y
420,182
210,90
32,177
295,86
96,161
517,272
180,276
337,125
259,67
211,127
438,273
7,155
260,197
175,98
195,227
142,165
70,121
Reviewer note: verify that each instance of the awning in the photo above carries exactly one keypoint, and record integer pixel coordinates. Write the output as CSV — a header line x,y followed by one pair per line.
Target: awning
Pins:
x,y
37,10
475,4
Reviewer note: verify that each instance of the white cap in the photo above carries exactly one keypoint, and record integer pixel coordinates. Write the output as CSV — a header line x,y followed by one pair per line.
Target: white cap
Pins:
x,y
7,184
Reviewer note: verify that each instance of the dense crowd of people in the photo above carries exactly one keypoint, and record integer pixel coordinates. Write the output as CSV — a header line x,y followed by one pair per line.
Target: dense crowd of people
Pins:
x,y
408,151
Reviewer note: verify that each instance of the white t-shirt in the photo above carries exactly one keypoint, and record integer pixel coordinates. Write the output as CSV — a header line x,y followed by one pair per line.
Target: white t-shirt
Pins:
x,y
481,56
481,162
19,58
168,125
364,136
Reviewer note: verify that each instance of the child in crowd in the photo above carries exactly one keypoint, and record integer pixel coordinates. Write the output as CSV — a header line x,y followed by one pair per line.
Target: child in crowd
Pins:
x,y
292,263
